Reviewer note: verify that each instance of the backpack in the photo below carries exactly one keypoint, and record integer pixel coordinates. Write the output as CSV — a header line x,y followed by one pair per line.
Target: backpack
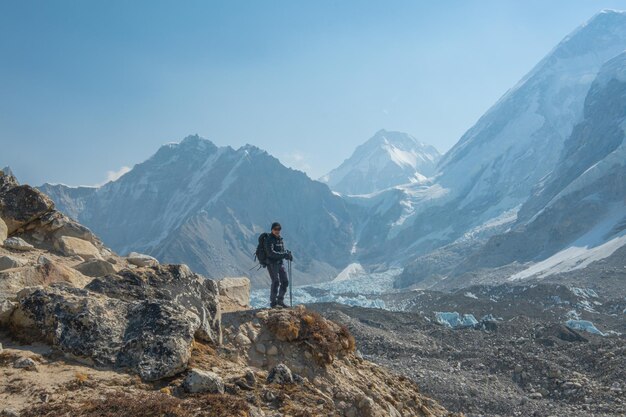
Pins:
x,y
260,254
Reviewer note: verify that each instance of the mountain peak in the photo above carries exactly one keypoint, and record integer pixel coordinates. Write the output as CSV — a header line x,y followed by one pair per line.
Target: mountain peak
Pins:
x,y
396,138
387,159
196,141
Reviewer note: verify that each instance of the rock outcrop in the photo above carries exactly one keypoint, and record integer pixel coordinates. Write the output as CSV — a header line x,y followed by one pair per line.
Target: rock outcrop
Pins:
x,y
176,283
31,221
151,338
21,204
314,360
144,320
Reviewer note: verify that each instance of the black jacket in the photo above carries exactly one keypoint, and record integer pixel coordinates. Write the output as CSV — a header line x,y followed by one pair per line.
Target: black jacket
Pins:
x,y
275,249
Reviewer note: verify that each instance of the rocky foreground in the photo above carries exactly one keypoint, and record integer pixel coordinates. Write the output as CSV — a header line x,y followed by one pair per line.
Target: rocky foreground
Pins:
x,y
87,332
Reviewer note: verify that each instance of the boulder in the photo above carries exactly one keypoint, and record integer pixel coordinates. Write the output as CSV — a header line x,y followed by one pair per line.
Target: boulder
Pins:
x,y
198,381
95,268
54,225
9,262
175,283
21,204
25,363
139,259
71,246
4,231
17,243
280,374
151,338
14,280
236,290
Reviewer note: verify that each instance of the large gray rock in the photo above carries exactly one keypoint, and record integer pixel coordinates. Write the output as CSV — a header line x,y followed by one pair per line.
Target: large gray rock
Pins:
x,y
71,246
9,262
280,374
139,259
95,268
17,243
175,283
236,290
21,204
203,381
151,338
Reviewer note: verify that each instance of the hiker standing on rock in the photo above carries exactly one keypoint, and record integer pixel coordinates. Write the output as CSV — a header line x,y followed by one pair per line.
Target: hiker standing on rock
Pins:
x,y
275,253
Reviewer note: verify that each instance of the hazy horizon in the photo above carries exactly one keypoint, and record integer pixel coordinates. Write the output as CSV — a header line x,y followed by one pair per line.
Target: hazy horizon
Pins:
x,y
90,89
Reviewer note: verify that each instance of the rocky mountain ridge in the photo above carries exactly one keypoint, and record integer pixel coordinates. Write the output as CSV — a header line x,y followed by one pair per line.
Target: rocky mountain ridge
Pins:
x,y
190,203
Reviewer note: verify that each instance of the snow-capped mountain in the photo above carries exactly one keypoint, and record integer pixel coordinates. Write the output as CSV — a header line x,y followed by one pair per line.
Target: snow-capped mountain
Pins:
x,y
385,160
203,205
576,214
540,171
484,179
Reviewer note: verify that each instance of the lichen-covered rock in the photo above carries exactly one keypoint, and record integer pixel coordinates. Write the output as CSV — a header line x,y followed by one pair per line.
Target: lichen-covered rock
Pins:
x,y
151,338
21,204
9,262
198,381
17,243
176,283
280,374
95,268
71,246
139,259
236,290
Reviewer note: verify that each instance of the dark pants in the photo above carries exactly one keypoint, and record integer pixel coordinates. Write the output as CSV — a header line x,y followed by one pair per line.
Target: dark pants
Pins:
x,y
280,282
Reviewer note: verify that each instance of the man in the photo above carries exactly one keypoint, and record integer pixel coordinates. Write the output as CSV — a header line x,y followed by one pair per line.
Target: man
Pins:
x,y
275,251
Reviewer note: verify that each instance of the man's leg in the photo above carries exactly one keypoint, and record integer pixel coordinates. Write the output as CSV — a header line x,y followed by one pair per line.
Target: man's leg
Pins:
x,y
273,271
284,283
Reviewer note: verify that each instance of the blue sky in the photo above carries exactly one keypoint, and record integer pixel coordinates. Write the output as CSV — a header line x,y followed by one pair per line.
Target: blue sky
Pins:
x,y
90,87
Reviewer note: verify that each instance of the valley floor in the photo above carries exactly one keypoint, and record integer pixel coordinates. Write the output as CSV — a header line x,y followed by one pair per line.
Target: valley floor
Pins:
x,y
525,367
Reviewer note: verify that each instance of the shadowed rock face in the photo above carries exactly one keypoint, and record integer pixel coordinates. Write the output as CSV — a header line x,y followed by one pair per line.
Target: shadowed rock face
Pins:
x,y
174,283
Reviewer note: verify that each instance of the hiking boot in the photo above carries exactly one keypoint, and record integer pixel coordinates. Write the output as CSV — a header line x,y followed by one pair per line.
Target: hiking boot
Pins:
x,y
277,305
281,304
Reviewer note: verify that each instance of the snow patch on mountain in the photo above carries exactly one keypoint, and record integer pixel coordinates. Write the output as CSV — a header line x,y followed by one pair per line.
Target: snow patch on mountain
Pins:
x,y
595,245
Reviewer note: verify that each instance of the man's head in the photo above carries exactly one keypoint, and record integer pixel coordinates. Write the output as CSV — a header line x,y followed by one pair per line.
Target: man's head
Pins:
x,y
276,229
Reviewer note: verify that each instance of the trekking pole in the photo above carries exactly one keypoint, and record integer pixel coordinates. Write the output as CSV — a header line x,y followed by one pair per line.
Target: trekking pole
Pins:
x,y
290,284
